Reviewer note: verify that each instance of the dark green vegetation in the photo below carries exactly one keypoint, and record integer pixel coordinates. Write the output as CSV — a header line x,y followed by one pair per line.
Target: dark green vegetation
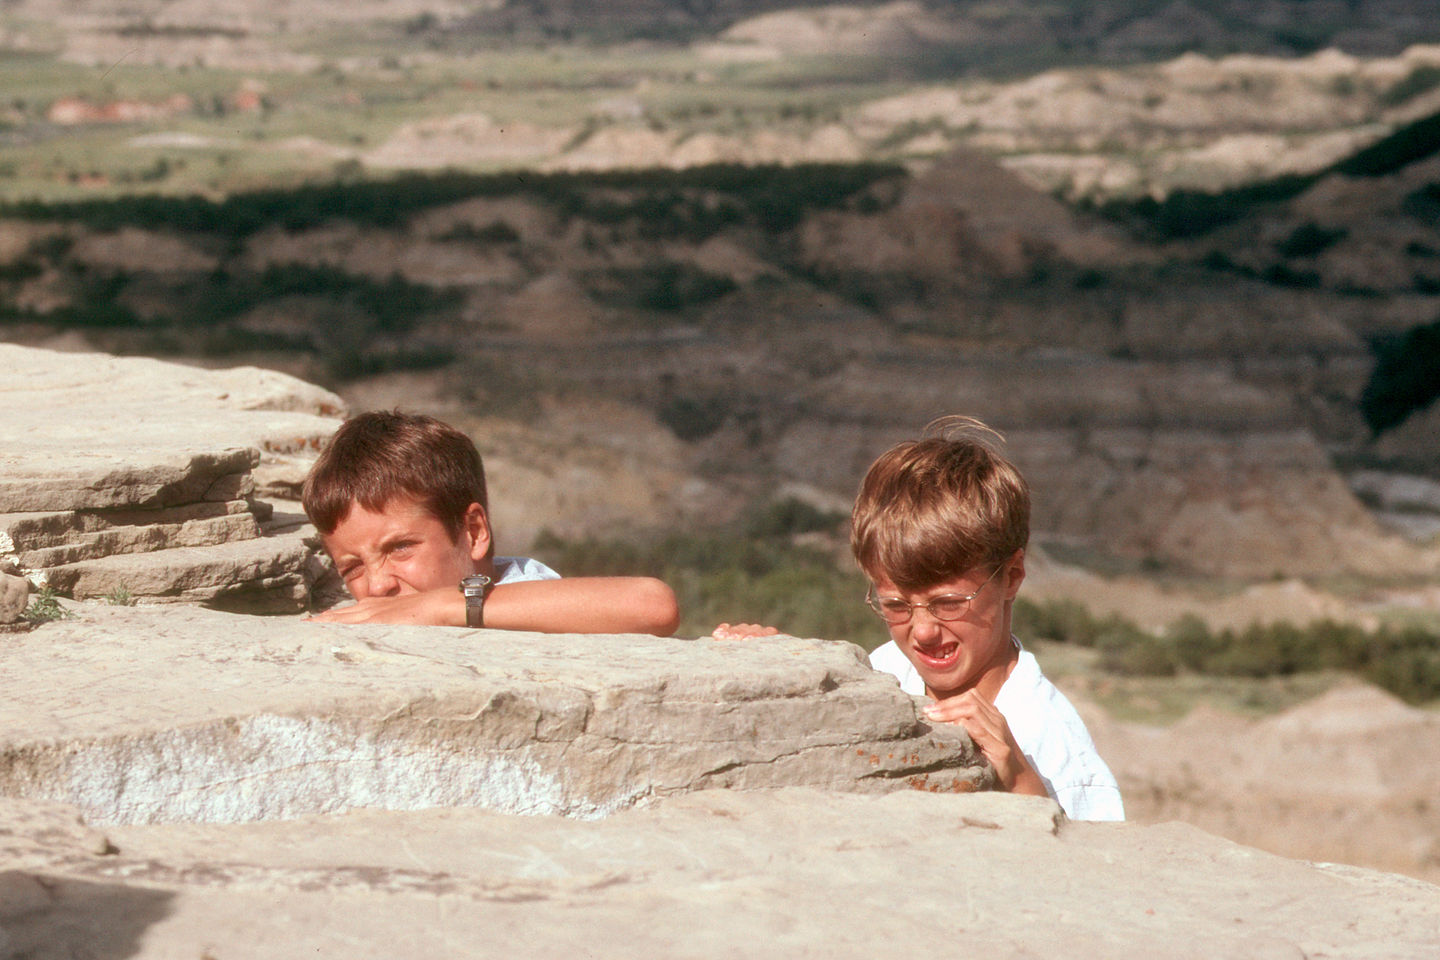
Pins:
x,y
1402,659
766,573
666,203
44,607
1406,377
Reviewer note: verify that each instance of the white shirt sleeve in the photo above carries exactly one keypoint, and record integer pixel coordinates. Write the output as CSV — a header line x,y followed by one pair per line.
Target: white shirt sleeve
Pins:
x,y
521,569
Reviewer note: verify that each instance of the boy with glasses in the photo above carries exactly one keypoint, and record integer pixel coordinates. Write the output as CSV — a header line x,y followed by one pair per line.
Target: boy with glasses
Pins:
x,y
940,527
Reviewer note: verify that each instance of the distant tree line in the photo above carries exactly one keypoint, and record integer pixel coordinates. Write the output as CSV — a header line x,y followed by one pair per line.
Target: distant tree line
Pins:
x,y
773,197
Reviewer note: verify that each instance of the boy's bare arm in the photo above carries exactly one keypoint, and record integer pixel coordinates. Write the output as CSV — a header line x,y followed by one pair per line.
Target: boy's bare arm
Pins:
x,y
584,605
571,605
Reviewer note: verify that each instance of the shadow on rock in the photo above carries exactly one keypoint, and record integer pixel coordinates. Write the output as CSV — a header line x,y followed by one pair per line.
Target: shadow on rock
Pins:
x,y
43,917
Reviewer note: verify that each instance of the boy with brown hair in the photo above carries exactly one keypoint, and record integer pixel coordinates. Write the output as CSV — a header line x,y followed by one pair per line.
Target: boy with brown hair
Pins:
x,y
940,527
401,507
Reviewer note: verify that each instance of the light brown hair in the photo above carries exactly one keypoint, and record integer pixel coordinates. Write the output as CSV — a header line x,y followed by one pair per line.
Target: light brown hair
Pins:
x,y
931,509
375,457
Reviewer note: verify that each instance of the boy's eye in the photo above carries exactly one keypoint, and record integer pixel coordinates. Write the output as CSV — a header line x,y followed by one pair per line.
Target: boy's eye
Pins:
x,y
948,608
350,571
898,608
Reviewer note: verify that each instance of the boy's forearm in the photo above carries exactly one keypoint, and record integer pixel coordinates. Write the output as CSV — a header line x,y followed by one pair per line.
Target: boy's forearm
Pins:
x,y
576,605
583,605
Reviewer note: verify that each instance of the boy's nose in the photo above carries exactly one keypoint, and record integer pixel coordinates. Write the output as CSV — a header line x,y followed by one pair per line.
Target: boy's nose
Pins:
x,y
923,623
380,582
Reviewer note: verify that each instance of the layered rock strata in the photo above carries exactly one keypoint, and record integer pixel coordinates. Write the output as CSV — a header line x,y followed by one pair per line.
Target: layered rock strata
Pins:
x,y
148,714
137,479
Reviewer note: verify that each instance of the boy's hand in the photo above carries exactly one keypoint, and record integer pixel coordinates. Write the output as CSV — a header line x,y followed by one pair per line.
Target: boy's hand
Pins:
x,y
742,631
987,727
432,607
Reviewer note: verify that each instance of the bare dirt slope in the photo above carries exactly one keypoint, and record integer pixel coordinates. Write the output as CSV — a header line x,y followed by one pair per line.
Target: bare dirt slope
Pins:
x,y
1350,777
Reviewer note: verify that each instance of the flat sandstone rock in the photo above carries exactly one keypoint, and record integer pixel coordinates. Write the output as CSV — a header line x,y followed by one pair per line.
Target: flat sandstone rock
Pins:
x,y
788,873
146,714
89,431
125,476
276,788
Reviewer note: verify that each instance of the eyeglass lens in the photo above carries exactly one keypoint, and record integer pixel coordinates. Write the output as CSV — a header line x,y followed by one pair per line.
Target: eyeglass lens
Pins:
x,y
941,608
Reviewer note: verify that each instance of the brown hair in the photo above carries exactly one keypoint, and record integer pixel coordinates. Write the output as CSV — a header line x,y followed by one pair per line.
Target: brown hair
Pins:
x,y
931,509
375,457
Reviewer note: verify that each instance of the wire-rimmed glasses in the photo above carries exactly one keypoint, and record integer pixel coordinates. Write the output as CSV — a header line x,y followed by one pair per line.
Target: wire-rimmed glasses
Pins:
x,y
951,606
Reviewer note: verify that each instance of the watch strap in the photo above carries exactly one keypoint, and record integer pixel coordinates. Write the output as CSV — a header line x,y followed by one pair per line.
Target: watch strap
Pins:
x,y
476,588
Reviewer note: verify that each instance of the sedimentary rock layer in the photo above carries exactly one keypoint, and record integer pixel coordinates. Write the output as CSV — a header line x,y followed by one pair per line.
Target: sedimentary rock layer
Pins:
x,y
133,477
150,715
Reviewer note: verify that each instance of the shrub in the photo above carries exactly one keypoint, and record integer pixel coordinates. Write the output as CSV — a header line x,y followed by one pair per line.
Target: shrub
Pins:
x,y
1129,651
1423,204
1309,239
1063,621
692,419
665,285
1405,661
1406,377
44,607
1409,144
1193,213
1257,651
693,203
789,516
1283,276
728,578
1194,643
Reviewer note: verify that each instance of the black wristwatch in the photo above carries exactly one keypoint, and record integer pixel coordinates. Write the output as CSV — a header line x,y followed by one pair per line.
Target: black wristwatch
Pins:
x,y
476,588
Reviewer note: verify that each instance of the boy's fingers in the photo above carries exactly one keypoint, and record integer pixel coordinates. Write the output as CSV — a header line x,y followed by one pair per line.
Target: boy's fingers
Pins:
x,y
742,631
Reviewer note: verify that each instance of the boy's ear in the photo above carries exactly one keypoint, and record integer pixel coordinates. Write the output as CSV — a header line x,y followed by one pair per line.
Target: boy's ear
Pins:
x,y
477,528
1016,575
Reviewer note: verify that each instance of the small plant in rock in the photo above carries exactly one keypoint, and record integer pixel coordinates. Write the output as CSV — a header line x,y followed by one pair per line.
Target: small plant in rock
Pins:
x,y
120,597
45,607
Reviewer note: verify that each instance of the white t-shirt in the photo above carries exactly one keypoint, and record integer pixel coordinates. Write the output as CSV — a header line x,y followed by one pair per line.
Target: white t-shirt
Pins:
x,y
521,569
1049,731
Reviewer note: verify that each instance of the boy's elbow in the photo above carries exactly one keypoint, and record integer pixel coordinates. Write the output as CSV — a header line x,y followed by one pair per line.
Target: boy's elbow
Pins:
x,y
661,609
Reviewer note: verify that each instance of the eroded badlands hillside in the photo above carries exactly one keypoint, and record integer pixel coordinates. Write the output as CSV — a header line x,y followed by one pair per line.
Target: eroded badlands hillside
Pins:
x,y
1187,403
1193,385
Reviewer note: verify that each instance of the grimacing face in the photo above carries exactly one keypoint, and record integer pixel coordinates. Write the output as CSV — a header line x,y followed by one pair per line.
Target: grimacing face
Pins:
x,y
404,548
973,652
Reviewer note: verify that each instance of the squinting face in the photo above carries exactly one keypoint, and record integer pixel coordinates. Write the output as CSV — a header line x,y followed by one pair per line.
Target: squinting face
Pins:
x,y
403,548
973,652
